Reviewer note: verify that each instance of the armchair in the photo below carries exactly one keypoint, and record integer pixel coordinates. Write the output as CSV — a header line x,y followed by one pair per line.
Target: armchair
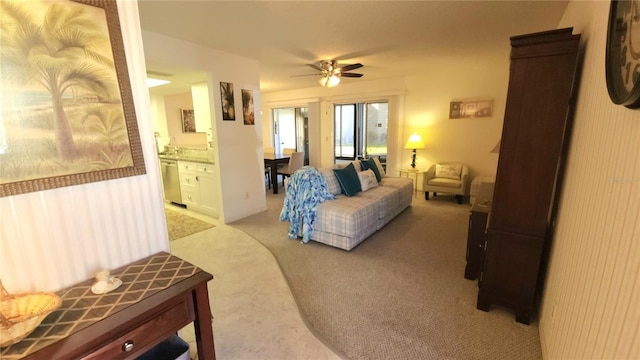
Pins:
x,y
447,177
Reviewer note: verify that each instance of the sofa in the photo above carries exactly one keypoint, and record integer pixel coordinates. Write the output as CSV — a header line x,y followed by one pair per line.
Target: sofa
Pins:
x,y
348,219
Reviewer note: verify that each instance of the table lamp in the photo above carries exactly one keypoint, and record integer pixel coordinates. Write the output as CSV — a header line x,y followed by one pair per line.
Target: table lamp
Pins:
x,y
415,142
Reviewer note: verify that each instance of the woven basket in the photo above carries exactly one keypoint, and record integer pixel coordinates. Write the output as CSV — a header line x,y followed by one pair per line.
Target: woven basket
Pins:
x,y
20,314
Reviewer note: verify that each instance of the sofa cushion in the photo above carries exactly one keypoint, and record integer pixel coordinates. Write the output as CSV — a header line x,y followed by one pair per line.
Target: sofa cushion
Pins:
x,y
397,182
356,165
349,217
348,179
387,200
448,171
367,180
370,164
333,185
380,168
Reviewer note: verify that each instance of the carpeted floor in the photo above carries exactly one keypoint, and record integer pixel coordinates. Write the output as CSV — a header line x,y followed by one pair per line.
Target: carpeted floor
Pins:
x,y
400,294
180,225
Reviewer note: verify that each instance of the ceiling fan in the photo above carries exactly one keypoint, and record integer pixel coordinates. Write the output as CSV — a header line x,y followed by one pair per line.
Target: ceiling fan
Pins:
x,y
331,72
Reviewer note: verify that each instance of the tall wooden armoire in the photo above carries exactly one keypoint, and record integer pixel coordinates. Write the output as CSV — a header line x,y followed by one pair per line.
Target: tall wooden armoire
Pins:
x,y
536,127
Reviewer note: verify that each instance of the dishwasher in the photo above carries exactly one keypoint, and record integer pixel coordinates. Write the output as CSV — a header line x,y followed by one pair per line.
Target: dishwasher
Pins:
x,y
171,181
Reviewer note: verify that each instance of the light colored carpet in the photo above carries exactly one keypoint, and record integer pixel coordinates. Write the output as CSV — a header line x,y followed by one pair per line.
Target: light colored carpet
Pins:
x,y
180,225
254,314
400,294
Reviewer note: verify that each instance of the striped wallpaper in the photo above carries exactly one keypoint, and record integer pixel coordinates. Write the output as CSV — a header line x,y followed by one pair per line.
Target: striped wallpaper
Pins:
x,y
55,238
591,302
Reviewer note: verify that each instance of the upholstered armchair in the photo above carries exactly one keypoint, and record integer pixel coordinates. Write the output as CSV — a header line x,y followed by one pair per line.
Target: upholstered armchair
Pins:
x,y
447,177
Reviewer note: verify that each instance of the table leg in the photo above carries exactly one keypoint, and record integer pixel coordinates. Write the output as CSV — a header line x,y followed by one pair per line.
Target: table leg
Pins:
x,y
274,177
202,324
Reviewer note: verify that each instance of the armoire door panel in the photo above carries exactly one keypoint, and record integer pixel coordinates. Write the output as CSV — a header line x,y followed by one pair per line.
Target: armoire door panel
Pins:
x,y
527,170
534,132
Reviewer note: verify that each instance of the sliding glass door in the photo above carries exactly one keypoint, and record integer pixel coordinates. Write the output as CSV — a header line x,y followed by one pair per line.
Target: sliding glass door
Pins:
x,y
360,130
345,130
290,130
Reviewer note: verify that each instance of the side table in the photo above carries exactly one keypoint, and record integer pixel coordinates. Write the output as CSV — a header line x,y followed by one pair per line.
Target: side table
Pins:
x,y
413,175
159,295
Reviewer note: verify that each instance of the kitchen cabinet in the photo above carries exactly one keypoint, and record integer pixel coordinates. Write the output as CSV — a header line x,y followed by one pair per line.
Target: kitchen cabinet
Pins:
x,y
198,187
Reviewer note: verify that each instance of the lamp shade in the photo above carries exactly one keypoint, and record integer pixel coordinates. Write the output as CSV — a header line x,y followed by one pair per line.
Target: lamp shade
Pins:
x,y
414,142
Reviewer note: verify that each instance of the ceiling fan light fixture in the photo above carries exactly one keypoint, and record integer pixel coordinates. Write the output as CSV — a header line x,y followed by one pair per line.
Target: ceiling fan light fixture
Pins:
x,y
329,81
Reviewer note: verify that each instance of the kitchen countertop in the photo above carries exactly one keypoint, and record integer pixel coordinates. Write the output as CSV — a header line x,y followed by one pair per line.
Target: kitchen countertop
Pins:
x,y
186,157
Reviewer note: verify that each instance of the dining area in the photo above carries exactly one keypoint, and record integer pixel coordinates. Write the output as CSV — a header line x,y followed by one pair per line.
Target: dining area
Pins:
x,y
281,164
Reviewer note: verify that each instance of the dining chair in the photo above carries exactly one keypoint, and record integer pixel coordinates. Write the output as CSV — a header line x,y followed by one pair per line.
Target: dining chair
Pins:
x,y
296,161
267,175
285,151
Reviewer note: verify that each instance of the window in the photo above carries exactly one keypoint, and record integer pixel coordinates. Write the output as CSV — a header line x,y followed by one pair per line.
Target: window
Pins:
x,y
361,130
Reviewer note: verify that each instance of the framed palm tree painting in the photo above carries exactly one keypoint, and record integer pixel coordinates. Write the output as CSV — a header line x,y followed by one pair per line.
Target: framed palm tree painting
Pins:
x,y
67,115
228,102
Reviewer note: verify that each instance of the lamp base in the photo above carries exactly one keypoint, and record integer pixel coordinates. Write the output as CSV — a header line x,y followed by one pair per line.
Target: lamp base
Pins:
x,y
413,159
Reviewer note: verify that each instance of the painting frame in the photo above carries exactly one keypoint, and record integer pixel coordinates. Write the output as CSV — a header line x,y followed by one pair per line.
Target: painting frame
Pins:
x,y
188,120
248,111
111,168
227,101
470,108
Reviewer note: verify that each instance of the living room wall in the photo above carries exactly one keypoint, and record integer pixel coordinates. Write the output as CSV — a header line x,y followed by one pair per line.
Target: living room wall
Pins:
x,y
590,306
423,106
237,147
54,238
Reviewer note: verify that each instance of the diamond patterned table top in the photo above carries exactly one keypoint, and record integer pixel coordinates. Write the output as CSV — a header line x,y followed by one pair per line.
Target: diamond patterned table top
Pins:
x,y
81,307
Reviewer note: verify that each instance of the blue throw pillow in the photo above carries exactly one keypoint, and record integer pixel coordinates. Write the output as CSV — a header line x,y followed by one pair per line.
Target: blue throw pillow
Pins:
x,y
371,164
348,179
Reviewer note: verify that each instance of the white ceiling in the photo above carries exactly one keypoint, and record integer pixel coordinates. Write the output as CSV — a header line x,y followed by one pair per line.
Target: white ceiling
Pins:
x,y
390,38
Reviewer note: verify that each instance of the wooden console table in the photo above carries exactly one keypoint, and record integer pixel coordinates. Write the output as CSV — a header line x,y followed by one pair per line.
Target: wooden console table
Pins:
x,y
159,295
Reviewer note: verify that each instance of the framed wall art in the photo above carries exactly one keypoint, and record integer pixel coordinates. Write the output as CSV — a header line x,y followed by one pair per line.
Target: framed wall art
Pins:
x,y
79,128
248,113
228,106
188,120
460,109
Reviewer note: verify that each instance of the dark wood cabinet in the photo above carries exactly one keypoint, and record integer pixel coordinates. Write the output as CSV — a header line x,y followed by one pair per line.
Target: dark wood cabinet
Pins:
x,y
535,129
476,236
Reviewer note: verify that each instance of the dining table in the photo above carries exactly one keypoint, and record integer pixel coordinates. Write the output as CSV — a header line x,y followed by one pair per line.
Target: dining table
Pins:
x,y
272,160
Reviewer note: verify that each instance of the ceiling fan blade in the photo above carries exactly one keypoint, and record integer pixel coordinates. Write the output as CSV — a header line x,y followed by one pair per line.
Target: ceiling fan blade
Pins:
x,y
316,67
350,67
354,75
306,75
